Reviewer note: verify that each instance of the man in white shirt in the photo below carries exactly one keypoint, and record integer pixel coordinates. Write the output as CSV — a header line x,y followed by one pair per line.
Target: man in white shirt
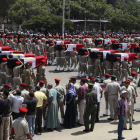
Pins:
x,y
17,101
98,90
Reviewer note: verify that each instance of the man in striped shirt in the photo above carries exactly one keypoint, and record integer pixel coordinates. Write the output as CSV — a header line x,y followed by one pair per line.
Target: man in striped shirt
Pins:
x,y
121,110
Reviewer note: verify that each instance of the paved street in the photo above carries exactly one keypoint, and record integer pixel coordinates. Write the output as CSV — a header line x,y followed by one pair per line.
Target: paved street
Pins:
x,y
104,130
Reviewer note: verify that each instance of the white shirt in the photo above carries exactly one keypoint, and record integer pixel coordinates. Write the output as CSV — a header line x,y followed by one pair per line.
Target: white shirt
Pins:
x,y
97,89
17,102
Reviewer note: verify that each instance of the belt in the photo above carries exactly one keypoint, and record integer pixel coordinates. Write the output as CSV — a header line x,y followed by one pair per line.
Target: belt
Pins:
x,y
62,57
134,68
90,65
83,63
114,69
3,72
123,69
73,58
16,77
112,94
57,57
109,69
51,53
8,76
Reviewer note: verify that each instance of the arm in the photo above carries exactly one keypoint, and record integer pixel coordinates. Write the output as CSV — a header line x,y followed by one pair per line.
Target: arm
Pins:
x,y
46,101
13,91
116,113
134,97
20,62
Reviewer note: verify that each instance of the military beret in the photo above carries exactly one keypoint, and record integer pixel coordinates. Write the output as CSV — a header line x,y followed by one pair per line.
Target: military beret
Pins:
x,y
107,74
99,55
86,52
51,40
62,37
30,62
113,76
4,59
17,62
84,78
41,82
77,39
8,40
73,78
44,61
51,44
57,79
74,47
118,58
120,45
23,109
136,57
5,85
127,82
20,40
85,40
63,47
133,72
23,84
92,78
126,58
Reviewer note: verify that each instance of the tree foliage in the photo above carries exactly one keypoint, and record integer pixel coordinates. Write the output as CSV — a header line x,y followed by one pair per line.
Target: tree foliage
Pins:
x,y
122,14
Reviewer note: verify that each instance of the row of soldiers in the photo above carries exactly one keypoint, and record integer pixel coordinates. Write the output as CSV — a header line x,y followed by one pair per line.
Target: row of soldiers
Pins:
x,y
22,74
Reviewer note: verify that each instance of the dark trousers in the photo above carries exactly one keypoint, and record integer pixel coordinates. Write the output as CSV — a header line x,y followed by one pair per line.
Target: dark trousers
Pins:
x,y
90,111
97,113
15,115
38,121
120,126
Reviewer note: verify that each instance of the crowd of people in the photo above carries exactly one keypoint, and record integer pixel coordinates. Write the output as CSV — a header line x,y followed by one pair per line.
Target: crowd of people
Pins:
x,y
27,98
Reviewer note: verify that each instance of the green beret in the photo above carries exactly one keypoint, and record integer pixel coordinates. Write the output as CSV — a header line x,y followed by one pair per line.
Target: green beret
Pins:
x,y
113,76
90,84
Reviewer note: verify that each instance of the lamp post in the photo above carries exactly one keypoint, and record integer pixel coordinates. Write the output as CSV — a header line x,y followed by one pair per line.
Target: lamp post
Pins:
x,y
63,21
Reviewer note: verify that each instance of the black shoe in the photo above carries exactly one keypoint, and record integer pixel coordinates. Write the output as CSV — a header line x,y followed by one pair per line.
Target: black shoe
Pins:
x,y
44,127
86,130
105,115
124,128
122,137
91,130
110,119
133,120
130,128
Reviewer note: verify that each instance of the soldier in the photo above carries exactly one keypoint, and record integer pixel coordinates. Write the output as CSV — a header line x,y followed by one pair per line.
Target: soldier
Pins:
x,y
112,90
73,55
120,49
109,67
135,64
28,76
91,108
24,92
3,71
58,60
125,69
98,67
90,66
84,60
16,73
42,72
128,48
20,45
20,126
63,59
80,66
116,68
51,51
61,103
9,79
105,82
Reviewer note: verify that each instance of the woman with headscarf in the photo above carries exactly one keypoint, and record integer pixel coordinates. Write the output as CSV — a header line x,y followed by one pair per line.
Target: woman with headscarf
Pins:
x,y
69,119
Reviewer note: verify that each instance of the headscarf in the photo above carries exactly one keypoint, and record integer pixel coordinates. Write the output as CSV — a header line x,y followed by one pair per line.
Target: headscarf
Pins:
x,y
71,90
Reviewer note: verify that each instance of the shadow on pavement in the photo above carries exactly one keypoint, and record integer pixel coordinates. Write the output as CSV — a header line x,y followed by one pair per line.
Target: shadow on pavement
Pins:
x,y
136,122
78,133
104,121
114,131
